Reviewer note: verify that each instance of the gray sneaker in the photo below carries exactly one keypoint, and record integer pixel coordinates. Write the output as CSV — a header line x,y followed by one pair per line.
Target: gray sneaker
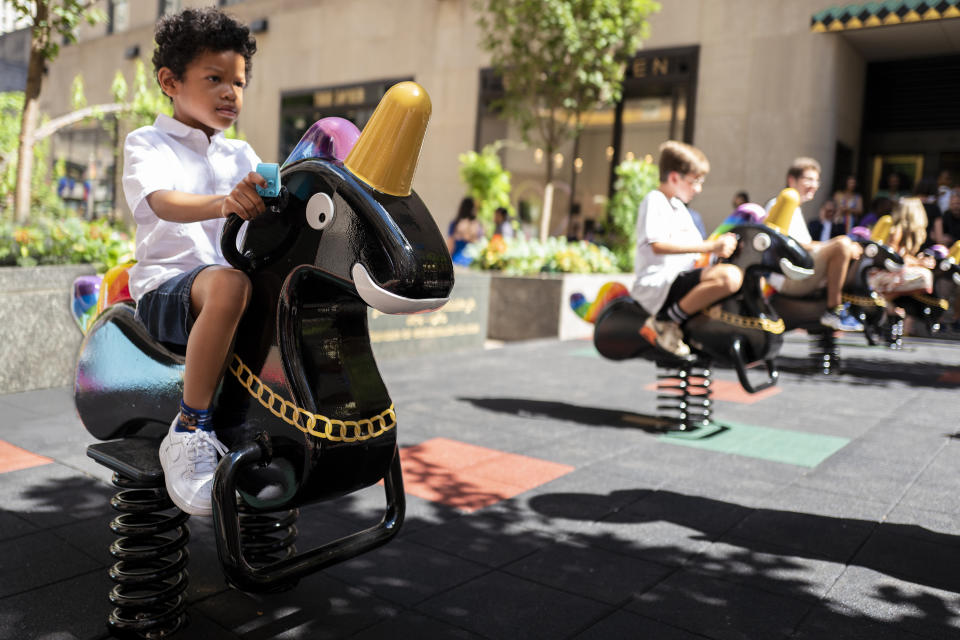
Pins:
x,y
665,334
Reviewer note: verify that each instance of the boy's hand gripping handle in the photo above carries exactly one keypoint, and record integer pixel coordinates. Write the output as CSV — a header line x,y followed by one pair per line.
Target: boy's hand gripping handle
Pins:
x,y
274,195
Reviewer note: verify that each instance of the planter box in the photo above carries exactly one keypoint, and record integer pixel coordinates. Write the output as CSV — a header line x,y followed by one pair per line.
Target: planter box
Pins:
x,y
39,338
530,307
460,324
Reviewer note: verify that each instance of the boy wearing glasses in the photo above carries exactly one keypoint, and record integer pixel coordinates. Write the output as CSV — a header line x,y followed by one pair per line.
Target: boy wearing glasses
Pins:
x,y
830,259
668,245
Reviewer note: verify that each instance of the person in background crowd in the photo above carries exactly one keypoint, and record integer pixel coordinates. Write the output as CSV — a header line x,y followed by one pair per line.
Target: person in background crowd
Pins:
x,y
944,186
849,203
879,207
926,192
739,198
501,223
464,229
946,230
828,225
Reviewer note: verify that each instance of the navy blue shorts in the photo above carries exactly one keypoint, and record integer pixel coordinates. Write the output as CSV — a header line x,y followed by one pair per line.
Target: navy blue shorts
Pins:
x,y
165,311
684,282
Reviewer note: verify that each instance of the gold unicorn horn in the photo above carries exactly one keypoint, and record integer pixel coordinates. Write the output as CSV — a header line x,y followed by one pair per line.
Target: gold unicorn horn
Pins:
x,y
782,210
881,229
955,252
385,156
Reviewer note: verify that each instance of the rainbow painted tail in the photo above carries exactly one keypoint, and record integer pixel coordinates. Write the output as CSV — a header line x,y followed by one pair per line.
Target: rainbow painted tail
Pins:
x,y
590,311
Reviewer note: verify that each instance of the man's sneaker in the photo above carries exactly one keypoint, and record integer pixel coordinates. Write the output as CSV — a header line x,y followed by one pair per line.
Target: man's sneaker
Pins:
x,y
840,320
666,335
189,459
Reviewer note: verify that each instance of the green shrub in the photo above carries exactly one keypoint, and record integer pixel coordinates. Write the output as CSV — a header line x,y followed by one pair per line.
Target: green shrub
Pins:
x,y
635,179
487,181
68,240
519,256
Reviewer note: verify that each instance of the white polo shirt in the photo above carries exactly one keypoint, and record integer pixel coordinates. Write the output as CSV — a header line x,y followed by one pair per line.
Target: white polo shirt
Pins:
x,y
661,220
170,155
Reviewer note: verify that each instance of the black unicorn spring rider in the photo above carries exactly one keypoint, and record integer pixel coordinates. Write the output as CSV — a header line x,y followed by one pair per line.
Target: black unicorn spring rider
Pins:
x,y
741,330
865,304
303,406
928,309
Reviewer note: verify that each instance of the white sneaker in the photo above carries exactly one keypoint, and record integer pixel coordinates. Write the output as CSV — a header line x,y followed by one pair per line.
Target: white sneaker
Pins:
x,y
189,459
666,335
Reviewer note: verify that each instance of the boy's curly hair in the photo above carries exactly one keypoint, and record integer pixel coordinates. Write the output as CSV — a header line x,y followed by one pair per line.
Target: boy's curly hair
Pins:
x,y
183,36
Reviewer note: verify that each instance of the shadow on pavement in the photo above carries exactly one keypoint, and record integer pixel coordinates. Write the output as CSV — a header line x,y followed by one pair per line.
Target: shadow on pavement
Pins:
x,y
876,371
590,556
553,410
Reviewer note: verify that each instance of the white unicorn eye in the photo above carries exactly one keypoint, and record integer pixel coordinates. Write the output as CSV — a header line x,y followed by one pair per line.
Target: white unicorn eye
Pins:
x,y
761,242
319,211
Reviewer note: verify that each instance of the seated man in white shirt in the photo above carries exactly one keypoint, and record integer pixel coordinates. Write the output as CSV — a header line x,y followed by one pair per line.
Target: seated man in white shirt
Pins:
x,y
830,259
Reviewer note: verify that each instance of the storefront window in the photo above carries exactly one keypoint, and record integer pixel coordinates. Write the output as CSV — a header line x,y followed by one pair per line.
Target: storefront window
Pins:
x,y
300,109
86,156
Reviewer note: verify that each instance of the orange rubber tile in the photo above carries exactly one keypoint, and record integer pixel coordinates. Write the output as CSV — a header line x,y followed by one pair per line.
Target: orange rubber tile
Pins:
x,y
468,477
13,458
731,392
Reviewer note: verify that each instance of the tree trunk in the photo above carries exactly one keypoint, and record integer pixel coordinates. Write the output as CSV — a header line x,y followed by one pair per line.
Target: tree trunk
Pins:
x,y
31,109
547,199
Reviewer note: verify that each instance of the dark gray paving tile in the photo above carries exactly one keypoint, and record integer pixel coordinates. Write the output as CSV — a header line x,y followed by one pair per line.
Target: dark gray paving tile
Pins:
x,y
408,625
767,569
39,559
497,605
74,609
51,495
823,503
840,623
806,534
490,540
406,573
913,554
44,402
720,609
628,626
590,572
12,525
918,609
319,607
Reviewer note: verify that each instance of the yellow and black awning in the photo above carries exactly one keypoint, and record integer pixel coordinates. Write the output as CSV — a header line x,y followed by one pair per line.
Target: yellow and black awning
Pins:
x,y
878,14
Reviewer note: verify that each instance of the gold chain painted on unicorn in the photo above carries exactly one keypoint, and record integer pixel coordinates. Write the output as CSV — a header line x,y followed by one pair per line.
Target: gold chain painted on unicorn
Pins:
x,y
746,322
931,301
312,423
863,301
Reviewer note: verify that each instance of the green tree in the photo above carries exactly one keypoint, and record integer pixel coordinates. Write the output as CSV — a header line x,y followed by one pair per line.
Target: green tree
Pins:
x,y
487,181
50,21
559,59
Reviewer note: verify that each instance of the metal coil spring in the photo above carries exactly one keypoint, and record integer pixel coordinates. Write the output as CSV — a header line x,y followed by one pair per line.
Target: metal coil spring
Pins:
x,y
685,395
824,352
150,571
267,537
895,336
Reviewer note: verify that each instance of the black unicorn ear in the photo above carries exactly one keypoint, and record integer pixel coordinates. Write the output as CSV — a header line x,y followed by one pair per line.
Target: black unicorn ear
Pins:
x,y
386,154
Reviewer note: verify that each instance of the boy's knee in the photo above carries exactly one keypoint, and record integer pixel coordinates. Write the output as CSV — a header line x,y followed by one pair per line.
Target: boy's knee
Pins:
x,y
231,289
730,277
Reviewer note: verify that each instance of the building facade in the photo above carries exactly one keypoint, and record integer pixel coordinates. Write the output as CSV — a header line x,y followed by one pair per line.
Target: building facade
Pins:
x,y
754,84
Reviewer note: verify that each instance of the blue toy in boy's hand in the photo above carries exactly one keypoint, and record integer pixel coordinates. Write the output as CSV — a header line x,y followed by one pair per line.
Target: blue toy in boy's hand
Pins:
x,y
271,173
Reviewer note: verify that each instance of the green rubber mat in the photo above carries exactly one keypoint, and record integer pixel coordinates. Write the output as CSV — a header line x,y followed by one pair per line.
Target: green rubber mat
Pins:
x,y
779,445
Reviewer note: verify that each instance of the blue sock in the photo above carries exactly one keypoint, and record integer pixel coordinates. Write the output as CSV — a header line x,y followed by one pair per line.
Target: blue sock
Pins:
x,y
191,419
